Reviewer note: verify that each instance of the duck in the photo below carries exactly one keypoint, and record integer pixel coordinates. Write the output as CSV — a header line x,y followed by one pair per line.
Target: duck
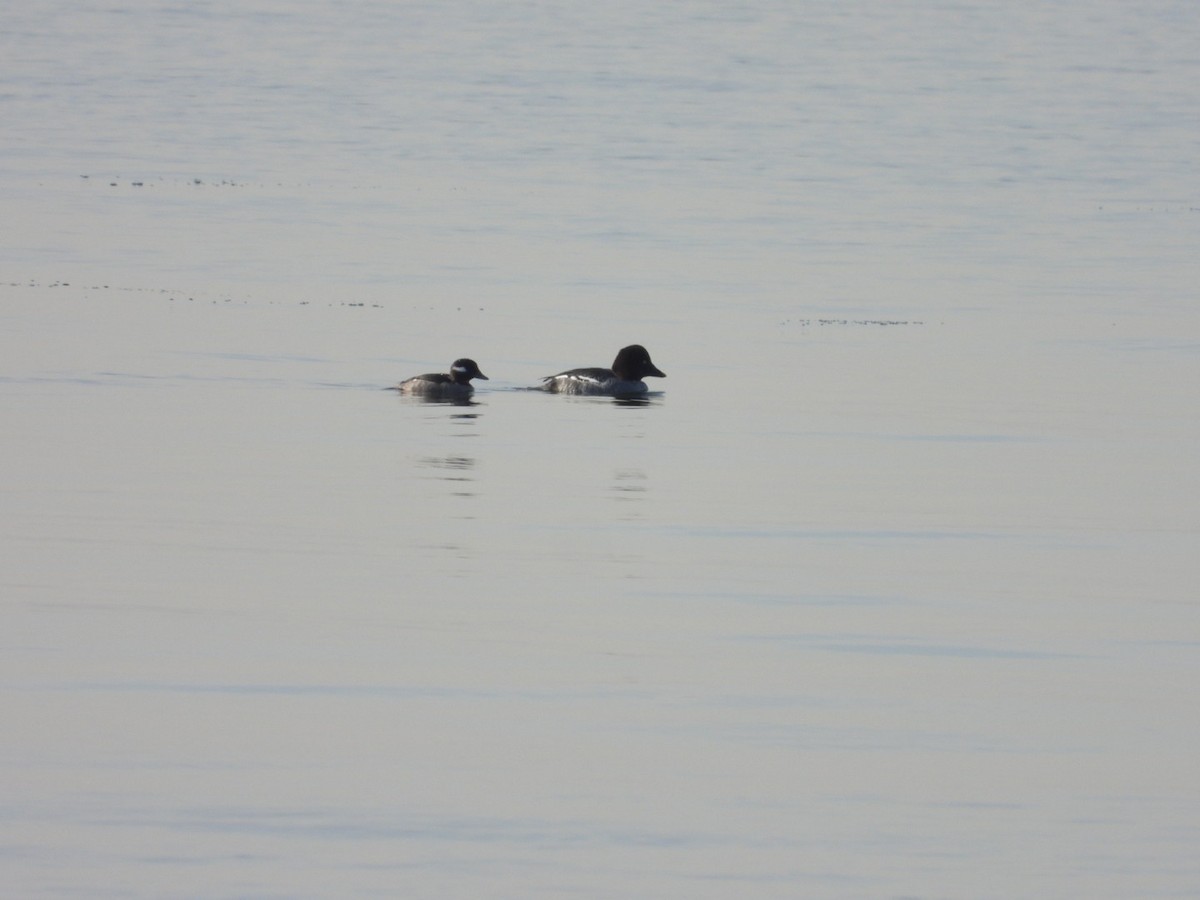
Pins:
x,y
622,380
435,385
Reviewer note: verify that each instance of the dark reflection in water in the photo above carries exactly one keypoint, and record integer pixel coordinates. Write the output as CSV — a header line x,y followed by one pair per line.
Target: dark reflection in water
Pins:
x,y
653,398
639,400
437,401
629,488
455,469
629,484
452,463
630,481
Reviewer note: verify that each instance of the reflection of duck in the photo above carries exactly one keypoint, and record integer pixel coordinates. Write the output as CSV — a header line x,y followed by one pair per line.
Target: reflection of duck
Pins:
x,y
456,385
456,468
453,463
629,482
624,378
459,471
630,489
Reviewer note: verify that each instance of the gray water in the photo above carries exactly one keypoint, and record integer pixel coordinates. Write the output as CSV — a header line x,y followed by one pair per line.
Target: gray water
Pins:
x,y
888,590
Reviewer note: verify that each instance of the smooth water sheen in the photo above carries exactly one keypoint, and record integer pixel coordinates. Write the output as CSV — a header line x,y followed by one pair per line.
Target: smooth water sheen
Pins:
x,y
887,590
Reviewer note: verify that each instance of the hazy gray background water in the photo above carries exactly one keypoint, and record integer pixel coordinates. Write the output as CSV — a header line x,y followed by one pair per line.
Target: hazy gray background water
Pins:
x,y
891,592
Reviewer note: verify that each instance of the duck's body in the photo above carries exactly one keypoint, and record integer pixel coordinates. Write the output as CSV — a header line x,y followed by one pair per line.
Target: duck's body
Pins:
x,y
622,380
437,386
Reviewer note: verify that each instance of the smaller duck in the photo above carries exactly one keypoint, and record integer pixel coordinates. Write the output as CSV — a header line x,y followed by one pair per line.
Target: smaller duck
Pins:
x,y
436,386
622,380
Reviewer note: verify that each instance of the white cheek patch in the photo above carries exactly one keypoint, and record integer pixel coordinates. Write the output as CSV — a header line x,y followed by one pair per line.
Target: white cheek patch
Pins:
x,y
462,369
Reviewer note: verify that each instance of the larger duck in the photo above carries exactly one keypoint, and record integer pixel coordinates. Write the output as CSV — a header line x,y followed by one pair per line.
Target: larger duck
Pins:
x,y
622,380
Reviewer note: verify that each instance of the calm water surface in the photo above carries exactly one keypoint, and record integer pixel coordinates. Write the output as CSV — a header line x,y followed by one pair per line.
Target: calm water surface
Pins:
x,y
888,590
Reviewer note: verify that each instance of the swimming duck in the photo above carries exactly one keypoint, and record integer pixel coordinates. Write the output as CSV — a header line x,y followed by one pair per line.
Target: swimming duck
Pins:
x,y
456,385
623,379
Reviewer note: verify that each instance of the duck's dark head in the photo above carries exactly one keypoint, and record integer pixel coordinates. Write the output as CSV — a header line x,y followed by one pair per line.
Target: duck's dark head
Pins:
x,y
633,364
463,370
